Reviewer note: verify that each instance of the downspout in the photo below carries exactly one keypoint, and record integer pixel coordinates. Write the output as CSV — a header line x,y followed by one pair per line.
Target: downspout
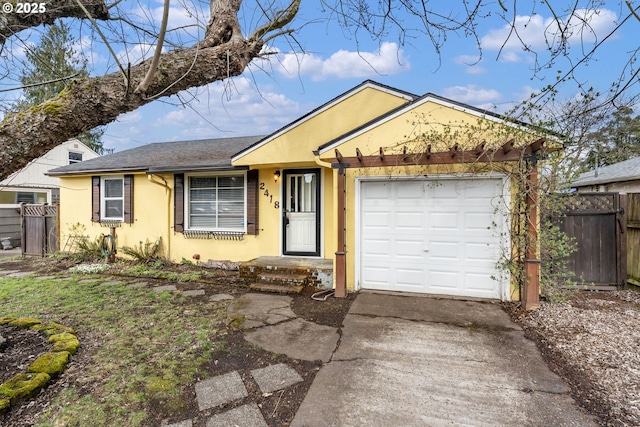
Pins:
x,y
166,186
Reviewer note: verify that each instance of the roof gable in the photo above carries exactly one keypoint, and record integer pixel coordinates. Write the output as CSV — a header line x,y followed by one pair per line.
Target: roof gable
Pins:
x,y
406,122
327,121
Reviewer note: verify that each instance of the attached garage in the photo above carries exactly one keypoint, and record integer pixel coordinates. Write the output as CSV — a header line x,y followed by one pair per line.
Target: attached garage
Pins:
x,y
439,236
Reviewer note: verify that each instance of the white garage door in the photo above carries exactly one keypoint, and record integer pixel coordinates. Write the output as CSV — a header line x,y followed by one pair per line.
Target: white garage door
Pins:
x,y
432,236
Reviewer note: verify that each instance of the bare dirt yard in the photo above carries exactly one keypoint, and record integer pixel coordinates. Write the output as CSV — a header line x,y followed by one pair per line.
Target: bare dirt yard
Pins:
x,y
592,341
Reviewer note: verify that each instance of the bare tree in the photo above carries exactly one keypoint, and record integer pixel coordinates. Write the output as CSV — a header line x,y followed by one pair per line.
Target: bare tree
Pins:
x,y
220,50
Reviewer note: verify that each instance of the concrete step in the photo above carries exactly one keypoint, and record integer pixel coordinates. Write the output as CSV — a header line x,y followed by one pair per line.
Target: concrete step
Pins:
x,y
275,288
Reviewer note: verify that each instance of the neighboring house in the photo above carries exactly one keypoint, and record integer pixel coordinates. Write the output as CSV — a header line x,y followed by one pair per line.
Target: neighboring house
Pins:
x,y
622,177
32,185
351,182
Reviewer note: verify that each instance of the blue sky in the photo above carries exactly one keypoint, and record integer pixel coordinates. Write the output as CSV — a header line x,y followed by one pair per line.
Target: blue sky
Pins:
x,y
288,84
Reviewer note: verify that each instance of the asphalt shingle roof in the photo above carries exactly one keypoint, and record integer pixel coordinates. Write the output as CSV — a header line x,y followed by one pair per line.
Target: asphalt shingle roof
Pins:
x,y
205,154
624,171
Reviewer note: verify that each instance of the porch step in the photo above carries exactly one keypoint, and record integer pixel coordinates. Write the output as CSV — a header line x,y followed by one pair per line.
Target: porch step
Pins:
x,y
283,278
275,288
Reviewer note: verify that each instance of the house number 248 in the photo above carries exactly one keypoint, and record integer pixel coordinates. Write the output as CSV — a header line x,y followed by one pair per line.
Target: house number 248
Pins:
x,y
266,193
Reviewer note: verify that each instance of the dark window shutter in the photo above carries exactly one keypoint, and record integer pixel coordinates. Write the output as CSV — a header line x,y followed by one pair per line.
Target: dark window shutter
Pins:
x,y
128,199
178,202
252,202
95,198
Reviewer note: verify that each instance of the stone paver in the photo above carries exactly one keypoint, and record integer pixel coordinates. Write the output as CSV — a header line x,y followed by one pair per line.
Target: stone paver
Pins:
x,y
112,283
246,416
220,297
221,389
45,277
89,280
193,293
185,423
21,274
298,339
5,272
138,285
165,288
275,377
260,310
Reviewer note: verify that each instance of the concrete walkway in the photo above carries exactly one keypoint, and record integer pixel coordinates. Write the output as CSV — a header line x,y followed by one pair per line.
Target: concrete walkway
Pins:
x,y
399,360
418,361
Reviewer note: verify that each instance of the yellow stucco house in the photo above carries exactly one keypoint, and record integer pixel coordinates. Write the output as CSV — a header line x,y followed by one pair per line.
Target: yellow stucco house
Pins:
x,y
370,181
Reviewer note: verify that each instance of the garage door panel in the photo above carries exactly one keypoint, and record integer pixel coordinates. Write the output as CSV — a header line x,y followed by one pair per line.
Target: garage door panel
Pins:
x,y
439,237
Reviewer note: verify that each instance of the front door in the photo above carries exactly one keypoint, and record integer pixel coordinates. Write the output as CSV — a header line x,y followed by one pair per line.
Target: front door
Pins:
x,y
301,215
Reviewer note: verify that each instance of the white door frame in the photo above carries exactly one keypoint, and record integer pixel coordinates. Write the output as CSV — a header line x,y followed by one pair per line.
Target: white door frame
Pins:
x,y
504,281
318,212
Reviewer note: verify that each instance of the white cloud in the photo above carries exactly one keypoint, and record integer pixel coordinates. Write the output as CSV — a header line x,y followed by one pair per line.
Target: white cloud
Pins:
x,y
343,64
221,109
584,26
472,95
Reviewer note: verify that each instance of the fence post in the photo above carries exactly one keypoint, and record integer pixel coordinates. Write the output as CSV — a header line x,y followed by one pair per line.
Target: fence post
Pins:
x,y
23,231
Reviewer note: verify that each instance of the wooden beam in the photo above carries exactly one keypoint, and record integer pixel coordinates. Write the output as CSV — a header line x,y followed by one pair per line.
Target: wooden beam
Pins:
x,y
537,145
441,158
507,146
341,252
427,152
339,156
381,154
454,150
358,154
479,148
531,287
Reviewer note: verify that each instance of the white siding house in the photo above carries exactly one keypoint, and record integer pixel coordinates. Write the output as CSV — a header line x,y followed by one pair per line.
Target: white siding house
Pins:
x,y
32,185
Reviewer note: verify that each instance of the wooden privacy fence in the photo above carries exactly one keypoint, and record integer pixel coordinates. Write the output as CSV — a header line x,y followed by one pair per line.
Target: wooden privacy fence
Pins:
x,y
633,238
597,223
39,225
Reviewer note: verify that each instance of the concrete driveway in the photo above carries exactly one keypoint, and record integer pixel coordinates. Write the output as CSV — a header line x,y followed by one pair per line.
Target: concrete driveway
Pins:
x,y
420,361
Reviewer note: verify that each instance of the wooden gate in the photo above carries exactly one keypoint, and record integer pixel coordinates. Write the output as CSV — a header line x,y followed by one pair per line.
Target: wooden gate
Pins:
x,y
597,222
633,239
39,229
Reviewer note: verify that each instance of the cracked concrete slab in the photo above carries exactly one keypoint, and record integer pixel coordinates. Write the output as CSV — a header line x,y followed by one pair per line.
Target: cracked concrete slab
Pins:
x,y
248,415
297,338
403,361
275,377
260,310
221,389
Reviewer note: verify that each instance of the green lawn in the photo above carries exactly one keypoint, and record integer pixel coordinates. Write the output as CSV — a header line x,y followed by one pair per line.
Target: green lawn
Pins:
x,y
141,351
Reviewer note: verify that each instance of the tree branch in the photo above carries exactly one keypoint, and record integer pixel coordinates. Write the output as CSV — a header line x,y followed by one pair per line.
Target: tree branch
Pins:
x,y
13,23
144,84
91,102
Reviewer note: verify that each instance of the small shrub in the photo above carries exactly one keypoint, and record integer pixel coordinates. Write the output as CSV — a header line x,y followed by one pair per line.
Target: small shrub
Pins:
x,y
146,252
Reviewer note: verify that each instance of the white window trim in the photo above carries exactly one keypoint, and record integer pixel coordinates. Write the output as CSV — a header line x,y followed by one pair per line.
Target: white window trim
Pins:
x,y
187,200
103,199
74,152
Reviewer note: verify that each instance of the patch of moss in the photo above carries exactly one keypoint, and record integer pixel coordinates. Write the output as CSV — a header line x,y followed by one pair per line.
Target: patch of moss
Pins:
x,y
24,385
52,328
237,320
64,342
6,320
5,404
24,322
50,363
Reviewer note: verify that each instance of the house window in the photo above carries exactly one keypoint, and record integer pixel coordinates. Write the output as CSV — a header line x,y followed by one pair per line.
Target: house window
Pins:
x,y
216,203
26,197
74,157
112,199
